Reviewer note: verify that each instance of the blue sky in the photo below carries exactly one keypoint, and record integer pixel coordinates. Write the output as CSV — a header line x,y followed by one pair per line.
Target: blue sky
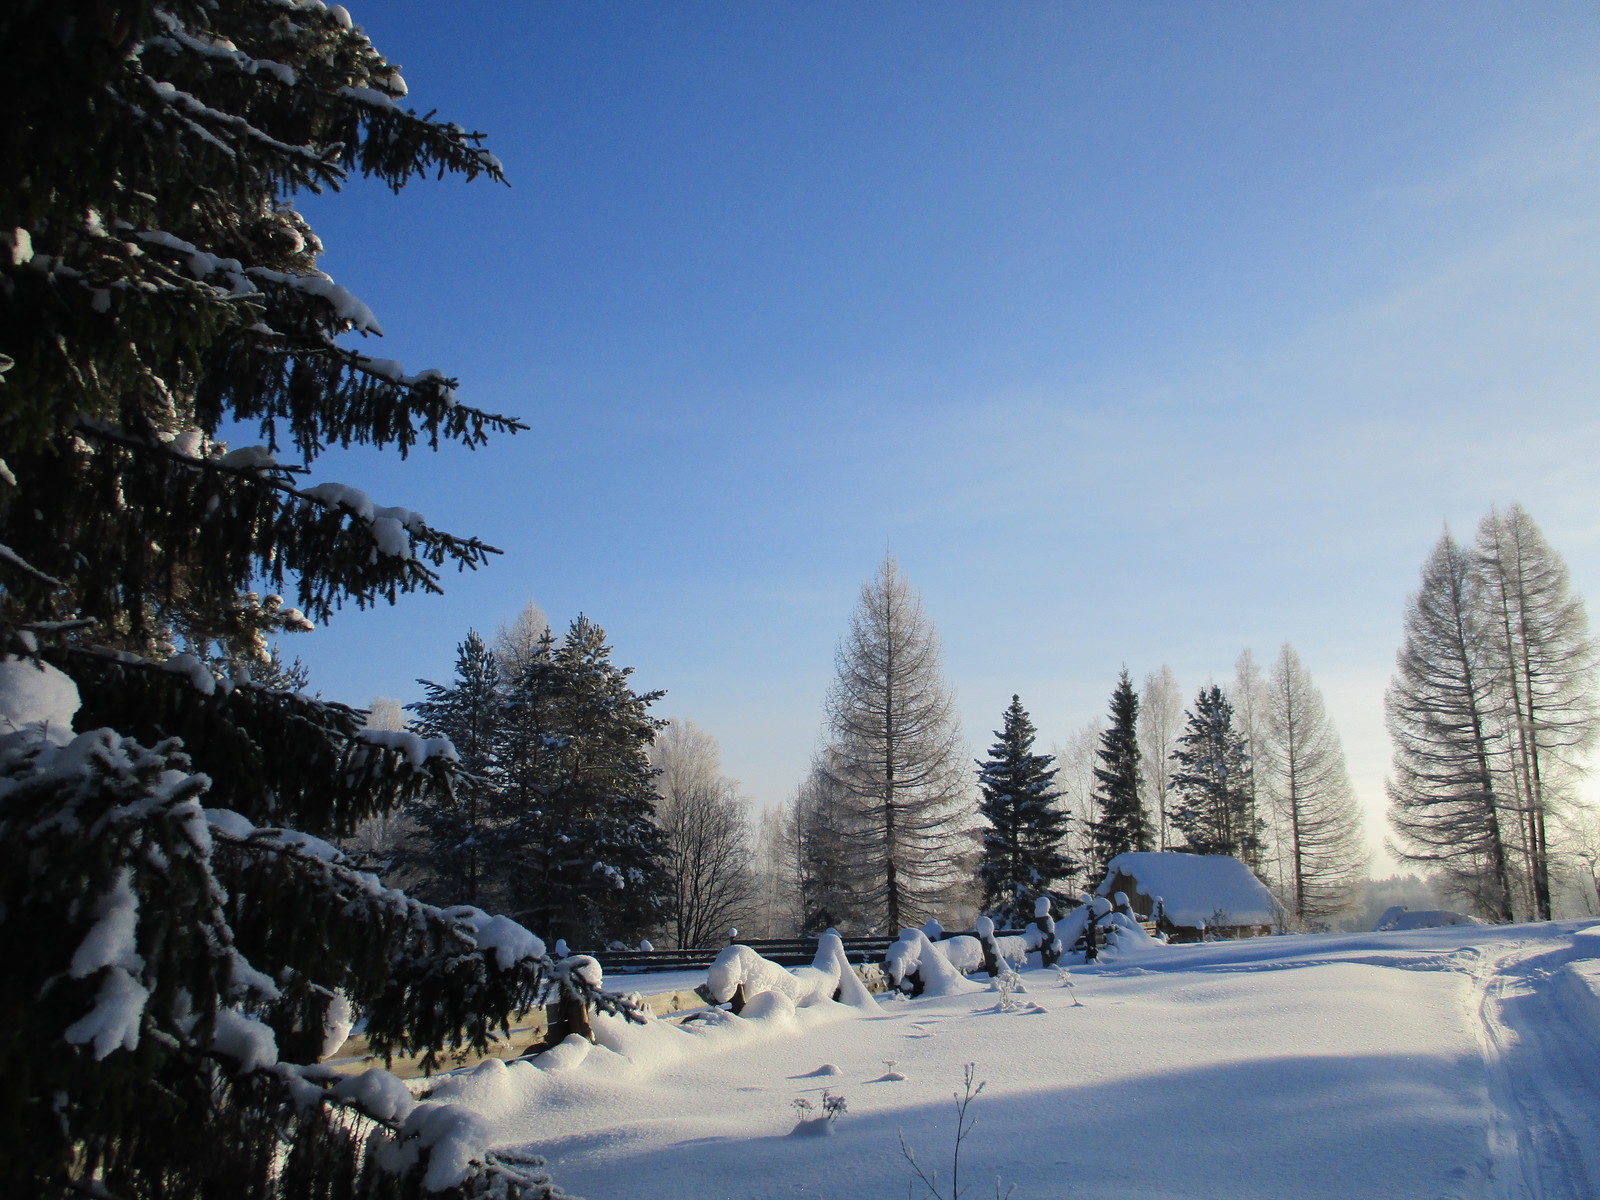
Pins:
x,y
1139,333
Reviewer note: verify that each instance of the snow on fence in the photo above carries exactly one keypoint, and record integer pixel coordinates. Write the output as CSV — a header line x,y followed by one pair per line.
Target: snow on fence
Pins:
x,y
915,963
744,974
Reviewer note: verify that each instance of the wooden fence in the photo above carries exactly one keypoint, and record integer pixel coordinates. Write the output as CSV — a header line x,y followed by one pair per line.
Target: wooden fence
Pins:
x,y
544,1027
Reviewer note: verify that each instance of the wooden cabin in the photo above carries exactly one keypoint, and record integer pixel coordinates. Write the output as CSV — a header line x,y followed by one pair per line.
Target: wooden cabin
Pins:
x,y
1192,897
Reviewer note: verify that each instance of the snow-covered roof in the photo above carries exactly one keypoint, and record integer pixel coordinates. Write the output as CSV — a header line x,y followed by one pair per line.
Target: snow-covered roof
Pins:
x,y
1400,917
1195,888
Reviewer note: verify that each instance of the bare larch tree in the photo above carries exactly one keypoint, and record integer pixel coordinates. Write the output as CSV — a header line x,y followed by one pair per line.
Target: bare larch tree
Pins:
x,y
1300,766
896,751
1544,672
1441,710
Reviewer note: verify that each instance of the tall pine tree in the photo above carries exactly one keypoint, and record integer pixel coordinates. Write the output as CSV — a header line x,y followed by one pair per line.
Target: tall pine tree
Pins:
x,y
1025,846
458,826
1212,783
584,859
181,943
1123,824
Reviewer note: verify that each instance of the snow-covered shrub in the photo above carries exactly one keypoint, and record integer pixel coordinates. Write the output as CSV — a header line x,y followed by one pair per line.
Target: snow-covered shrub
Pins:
x,y
915,965
1124,936
963,952
830,975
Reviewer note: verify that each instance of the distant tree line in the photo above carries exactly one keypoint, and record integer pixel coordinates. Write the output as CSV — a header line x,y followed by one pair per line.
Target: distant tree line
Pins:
x,y
625,826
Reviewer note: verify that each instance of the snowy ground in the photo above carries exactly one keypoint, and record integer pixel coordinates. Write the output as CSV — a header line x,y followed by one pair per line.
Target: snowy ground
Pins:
x,y
1461,1062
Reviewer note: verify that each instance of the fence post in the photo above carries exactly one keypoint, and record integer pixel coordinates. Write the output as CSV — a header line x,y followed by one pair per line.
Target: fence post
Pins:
x,y
1049,945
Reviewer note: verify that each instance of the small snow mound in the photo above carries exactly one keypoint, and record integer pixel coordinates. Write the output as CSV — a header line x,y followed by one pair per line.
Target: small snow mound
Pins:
x,y
768,1006
822,1072
566,1054
813,1127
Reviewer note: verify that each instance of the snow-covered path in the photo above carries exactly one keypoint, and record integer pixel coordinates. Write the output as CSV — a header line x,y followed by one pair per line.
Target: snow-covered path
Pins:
x,y
1454,1063
1538,1037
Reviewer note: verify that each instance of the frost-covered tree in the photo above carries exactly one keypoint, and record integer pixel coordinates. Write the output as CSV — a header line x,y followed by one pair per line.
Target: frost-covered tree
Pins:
x,y
1210,780
1076,759
181,942
895,748
458,827
707,822
1301,769
1544,666
583,858
1448,747
1122,824
1248,696
516,640
1025,845
1160,722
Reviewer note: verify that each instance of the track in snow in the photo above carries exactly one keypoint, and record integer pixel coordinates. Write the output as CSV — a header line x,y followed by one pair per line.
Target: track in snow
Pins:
x,y
1544,1077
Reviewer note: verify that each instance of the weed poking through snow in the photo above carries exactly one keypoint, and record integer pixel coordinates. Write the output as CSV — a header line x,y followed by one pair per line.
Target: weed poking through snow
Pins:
x,y
810,1123
964,1122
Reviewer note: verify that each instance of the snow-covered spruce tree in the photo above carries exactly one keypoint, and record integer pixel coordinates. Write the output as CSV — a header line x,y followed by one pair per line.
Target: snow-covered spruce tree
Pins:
x,y
1211,782
1449,748
1544,663
582,857
181,944
1122,824
1301,770
896,751
457,827
1025,844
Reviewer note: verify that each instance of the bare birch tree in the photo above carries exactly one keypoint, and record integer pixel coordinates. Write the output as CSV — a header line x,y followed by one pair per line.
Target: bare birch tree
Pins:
x,y
1160,723
707,823
1301,769
777,910
1076,760
895,749
1441,708
1544,671
1248,695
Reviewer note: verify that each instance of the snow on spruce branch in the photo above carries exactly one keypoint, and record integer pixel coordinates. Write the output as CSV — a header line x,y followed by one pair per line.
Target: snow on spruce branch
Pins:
x,y
178,38
192,110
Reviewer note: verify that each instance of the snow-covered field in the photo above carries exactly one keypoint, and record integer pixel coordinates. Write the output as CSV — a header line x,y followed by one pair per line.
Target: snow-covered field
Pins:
x,y
1459,1062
